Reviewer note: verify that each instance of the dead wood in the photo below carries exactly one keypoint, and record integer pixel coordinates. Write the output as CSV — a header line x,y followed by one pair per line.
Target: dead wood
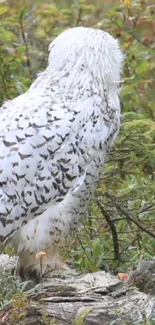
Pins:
x,y
68,298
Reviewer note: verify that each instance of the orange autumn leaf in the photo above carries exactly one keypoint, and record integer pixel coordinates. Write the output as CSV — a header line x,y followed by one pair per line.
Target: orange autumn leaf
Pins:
x,y
123,276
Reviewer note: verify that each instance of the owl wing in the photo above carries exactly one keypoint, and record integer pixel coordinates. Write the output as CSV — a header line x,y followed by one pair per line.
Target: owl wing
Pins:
x,y
39,164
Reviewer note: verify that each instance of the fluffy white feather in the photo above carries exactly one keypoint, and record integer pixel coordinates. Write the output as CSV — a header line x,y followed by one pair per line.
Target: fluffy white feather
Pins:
x,y
54,140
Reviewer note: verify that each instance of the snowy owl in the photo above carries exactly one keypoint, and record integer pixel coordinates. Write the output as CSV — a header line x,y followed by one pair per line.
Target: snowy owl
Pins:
x,y
53,143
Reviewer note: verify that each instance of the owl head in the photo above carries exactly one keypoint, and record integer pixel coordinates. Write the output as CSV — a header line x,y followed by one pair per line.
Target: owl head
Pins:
x,y
82,50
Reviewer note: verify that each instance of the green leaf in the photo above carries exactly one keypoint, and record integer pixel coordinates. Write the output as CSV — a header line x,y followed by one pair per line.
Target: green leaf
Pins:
x,y
3,10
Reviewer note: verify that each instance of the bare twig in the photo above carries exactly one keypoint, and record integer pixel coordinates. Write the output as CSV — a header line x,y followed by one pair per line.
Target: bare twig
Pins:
x,y
133,34
113,230
129,216
25,42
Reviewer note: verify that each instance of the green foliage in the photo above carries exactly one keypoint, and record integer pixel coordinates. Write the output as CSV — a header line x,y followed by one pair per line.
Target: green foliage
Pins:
x,y
129,174
108,238
82,315
11,287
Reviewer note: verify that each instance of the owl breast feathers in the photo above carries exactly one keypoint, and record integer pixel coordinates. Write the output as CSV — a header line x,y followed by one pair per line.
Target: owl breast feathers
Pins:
x,y
54,140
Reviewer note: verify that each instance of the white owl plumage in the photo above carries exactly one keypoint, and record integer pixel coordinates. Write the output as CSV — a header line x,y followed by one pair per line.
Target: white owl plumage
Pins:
x,y
53,143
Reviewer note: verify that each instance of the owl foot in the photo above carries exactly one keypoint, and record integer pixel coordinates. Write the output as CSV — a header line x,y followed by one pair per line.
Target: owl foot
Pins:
x,y
35,267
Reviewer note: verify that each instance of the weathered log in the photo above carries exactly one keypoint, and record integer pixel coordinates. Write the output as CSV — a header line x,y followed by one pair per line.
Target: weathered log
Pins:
x,y
67,298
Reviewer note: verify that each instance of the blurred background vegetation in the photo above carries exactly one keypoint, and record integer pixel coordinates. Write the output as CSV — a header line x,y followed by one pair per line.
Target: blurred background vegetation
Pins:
x,y
120,228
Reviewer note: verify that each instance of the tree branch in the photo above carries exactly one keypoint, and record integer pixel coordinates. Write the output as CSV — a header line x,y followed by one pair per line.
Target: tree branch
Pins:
x,y
129,216
113,230
25,42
